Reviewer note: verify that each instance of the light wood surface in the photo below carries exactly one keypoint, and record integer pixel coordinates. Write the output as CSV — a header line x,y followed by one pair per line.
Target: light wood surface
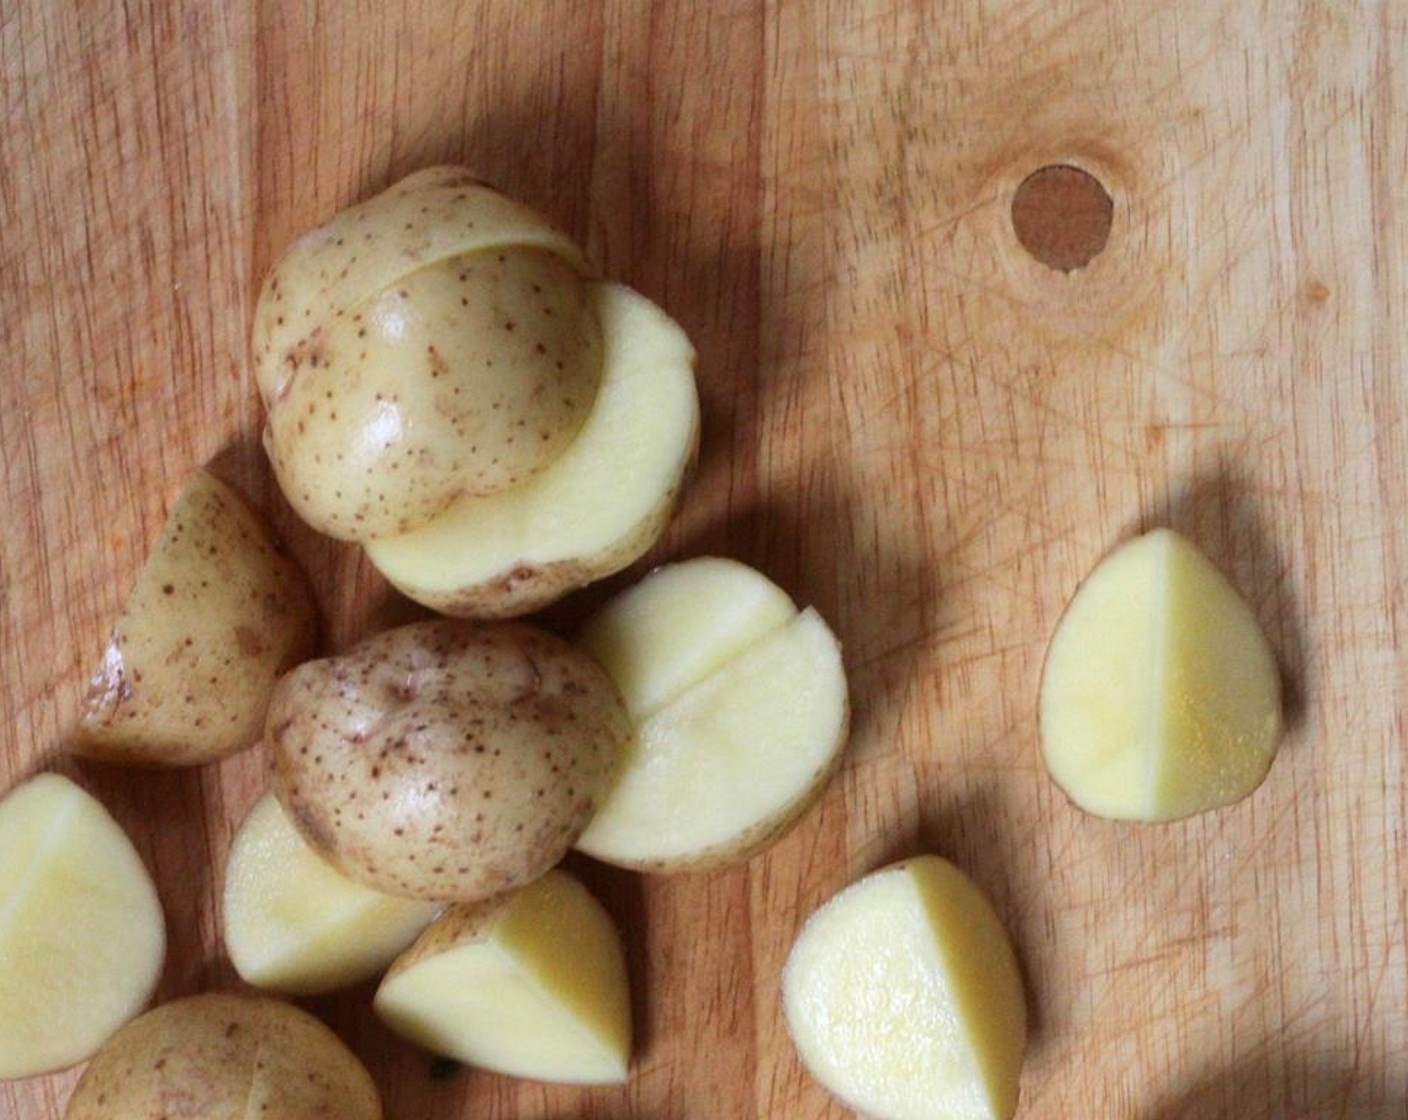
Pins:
x,y
909,422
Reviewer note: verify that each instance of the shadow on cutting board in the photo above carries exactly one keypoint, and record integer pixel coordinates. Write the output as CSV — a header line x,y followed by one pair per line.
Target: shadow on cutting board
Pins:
x,y
1304,1086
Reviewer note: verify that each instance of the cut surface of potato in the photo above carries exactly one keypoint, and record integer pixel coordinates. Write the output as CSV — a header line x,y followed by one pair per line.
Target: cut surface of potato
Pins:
x,y
82,937
225,1057
598,507
446,760
293,923
747,715
1160,697
435,340
532,983
679,624
216,615
903,997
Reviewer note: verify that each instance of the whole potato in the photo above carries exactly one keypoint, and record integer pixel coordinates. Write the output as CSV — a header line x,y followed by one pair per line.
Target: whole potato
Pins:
x,y
225,1057
446,760
216,615
435,341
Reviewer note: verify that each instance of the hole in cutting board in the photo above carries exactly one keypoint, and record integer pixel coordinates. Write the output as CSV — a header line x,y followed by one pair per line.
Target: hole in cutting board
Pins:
x,y
1062,216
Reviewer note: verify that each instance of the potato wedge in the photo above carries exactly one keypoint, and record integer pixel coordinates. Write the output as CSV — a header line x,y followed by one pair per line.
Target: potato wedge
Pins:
x,y
446,760
903,997
741,714
295,924
82,936
216,615
225,1057
1160,697
531,983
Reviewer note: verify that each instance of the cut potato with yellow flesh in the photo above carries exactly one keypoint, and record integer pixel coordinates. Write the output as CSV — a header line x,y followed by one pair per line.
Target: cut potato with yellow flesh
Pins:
x,y
681,623
82,936
1160,697
532,983
903,997
746,716
295,924
225,1057
596,508
216,615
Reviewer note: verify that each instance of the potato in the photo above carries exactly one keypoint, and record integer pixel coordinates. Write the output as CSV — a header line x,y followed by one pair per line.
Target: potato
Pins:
x,y
903,997
216,615
741,714
595,510
446,760
530,983
1160,697
293,923
82,936
225,1057
437,340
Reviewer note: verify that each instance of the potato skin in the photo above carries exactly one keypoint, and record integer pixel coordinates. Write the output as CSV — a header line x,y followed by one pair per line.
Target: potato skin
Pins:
x,y
225,1057
216,615
446,760
433,341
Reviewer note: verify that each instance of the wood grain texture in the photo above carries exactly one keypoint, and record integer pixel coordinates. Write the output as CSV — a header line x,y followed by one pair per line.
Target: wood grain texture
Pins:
x,y
908,422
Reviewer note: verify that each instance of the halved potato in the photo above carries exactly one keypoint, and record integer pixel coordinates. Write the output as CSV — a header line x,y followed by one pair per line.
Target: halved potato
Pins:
x,y
679,624
1160,697
82,936
531,983
225,1057
742,716
446,760
903,997
436,340
216,615
596,508
293,923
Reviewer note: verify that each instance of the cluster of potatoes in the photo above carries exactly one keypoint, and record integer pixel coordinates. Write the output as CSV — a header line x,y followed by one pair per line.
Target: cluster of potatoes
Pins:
x,y
448,384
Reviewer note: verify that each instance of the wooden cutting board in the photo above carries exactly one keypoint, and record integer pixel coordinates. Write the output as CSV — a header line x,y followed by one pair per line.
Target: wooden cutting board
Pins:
x,y
910,421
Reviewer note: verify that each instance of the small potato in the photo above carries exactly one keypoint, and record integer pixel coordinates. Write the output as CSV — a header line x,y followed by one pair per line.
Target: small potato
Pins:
x,y
446,760
903,997
530,983
225,1057
438,340
216,615
596,509
82,935
1160,697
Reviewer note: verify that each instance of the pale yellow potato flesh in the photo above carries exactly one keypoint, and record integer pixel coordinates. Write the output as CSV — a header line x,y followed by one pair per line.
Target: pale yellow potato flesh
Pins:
x,y
728,764
903,997
82,936
432,341
1160,697
225,1057
531,984
295,924
216,615
598,507
679,624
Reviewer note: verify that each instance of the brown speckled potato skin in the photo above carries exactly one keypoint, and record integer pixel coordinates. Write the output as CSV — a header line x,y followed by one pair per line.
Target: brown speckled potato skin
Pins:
x,y
434,341
446,760
216,615
225,1057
